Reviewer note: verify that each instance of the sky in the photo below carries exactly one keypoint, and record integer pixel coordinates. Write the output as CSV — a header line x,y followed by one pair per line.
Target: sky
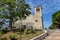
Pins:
x,y
48,8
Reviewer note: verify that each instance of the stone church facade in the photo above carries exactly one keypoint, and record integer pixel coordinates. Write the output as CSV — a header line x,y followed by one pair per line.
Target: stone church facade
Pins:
x,y
32,21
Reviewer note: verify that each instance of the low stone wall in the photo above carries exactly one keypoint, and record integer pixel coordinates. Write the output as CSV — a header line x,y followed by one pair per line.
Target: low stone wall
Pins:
x,y
40,37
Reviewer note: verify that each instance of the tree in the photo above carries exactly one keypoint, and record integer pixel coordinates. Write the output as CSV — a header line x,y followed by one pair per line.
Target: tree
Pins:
x,y
56,20
12,9
1,23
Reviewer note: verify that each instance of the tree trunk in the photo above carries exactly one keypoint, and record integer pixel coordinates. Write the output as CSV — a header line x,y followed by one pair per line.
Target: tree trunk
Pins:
x,y
10,23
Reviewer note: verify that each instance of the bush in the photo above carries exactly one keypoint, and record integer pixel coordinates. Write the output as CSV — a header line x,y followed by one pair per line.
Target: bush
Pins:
x,y
32,31
13,37
26,31
0,33
4,31
3,38
22,29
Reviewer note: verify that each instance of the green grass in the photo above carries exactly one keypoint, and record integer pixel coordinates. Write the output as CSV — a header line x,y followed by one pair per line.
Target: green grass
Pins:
x,y
0,33
31,35
23,36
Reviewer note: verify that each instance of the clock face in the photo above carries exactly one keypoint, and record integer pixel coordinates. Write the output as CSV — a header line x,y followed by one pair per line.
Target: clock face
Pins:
x,y
37,9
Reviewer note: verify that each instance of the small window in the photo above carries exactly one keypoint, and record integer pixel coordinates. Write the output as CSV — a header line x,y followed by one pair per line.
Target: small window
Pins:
x,y
36,20
37,9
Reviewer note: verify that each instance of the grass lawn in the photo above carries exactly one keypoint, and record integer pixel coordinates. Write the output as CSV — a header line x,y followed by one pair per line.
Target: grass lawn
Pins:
x,y
23,36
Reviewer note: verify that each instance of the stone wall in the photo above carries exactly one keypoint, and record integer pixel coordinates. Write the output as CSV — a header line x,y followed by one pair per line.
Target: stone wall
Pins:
x,y
40,37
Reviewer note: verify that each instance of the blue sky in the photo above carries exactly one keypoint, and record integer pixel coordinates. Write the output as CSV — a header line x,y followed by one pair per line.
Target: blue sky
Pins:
x,y
48,8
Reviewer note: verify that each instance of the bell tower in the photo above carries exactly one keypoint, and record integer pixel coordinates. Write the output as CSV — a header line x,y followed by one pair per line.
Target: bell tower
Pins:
x,y
38,18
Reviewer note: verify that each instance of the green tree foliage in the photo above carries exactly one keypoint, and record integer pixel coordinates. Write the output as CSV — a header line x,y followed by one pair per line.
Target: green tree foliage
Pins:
x,y
56,20
1,23
11,9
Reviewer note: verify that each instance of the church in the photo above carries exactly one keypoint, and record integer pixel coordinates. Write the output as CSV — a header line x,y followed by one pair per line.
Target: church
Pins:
x,y
32,21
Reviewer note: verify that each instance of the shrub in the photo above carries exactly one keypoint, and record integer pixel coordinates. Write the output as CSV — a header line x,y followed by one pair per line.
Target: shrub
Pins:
x,y
4,31
13,37
0,33
26,31
32,31
3,38
22,30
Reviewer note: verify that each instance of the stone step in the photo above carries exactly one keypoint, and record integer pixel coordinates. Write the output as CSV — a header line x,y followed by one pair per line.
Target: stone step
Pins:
x,y
54,36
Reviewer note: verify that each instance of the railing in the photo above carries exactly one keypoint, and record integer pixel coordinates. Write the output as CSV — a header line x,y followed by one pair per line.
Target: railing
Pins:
x,y
41,37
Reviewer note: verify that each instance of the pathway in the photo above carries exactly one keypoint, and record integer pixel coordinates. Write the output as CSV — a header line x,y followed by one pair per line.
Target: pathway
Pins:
x,y
54,36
